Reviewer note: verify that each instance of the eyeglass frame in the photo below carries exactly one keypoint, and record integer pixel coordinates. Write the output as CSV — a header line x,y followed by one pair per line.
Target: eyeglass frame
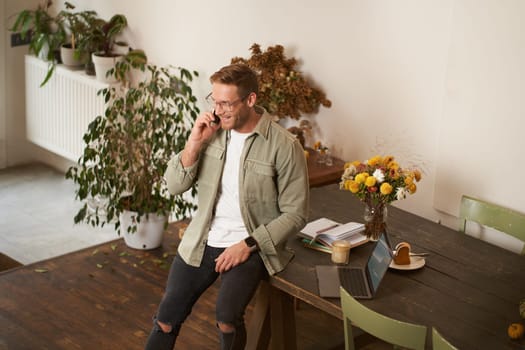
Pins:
x,y
211,101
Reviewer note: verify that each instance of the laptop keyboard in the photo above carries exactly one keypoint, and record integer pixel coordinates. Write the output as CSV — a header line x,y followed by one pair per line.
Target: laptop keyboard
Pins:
x,y
353,281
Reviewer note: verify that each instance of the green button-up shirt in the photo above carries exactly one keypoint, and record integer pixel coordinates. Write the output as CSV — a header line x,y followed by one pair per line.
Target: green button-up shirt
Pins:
x,y
273,193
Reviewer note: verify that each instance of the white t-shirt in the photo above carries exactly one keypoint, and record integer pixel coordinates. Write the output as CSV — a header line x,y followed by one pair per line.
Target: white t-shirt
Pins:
x,y
227,226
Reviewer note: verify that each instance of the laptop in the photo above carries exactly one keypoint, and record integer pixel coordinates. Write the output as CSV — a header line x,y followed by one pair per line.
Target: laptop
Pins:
x,y
360,282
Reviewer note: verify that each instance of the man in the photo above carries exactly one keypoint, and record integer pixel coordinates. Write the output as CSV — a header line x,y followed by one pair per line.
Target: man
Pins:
x,y
253,194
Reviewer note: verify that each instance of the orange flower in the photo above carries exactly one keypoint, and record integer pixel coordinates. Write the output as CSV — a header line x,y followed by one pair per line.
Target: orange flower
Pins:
x,y
417,175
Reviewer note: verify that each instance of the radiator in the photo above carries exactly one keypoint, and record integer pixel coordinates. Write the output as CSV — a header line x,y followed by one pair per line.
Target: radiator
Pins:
x,y
58,113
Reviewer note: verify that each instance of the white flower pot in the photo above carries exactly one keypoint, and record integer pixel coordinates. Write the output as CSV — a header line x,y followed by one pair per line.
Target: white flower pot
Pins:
x,y
121,47
103,64
67,54
149,230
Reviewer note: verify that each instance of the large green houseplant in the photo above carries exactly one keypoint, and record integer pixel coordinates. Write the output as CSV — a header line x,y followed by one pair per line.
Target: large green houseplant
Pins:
x,y
101,34
99,42
128,148
45,34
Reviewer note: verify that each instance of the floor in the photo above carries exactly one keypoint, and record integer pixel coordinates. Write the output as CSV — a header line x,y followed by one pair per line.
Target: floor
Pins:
x,y
37,206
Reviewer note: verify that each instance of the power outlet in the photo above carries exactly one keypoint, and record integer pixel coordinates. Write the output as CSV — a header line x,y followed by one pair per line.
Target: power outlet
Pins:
x,y
17,40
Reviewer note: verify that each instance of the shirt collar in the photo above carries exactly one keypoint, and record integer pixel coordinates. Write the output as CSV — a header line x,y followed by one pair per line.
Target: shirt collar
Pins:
x,y
263,126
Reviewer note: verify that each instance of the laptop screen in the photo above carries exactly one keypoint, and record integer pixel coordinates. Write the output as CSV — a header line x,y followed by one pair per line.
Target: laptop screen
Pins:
x,y
378,262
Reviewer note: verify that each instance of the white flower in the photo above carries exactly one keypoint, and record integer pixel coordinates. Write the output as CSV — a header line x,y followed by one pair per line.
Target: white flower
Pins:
x,y
379,175
401,193
349,172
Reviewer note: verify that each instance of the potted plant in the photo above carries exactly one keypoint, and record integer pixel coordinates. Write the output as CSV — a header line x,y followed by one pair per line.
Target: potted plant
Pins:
x,y
283,90
76,25
45,33
128,148
99,40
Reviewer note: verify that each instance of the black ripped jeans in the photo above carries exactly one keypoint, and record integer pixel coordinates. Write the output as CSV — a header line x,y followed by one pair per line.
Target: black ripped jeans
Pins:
x,y
187,283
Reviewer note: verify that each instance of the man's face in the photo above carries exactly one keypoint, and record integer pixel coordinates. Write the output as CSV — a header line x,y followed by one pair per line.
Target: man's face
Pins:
x,y
230,107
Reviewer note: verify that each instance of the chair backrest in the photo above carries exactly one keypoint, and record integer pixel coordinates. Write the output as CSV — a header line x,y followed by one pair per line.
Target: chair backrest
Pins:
x,y
390,330
440,343
500,218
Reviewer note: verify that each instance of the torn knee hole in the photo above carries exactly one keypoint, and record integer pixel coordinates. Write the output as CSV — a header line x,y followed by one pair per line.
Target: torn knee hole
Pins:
x,y
165,327
226,327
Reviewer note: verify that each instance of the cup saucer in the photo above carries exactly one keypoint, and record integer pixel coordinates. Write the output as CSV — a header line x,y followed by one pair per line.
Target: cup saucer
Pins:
x,y
416,262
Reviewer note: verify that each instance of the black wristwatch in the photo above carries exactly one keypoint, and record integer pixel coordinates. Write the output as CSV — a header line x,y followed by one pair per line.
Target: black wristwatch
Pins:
x,y
251,243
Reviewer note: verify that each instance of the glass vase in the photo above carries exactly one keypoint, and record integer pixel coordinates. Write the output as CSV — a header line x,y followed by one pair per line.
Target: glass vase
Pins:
x,y
375,221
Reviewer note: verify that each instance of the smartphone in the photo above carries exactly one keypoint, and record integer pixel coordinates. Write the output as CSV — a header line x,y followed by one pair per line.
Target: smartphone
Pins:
x,y
216,119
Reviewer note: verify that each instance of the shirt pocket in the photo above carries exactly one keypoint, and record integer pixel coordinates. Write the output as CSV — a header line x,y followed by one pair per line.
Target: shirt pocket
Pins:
x,y
210,165
260,181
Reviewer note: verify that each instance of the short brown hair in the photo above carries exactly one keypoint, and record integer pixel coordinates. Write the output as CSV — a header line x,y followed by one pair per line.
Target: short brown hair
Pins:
x,y
237,74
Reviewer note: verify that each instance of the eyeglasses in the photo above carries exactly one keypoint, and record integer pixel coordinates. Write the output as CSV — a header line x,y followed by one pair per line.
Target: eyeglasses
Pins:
x,y
224,105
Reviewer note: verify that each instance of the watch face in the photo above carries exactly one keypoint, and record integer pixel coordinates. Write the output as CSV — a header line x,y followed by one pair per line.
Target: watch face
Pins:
x,y
250,241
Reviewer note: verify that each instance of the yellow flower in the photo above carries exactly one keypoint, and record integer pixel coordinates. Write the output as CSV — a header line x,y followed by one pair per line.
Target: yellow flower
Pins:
x,y
374,160
361,177
317,145
387,160
388,183
352,186
370,181
393,165
386,188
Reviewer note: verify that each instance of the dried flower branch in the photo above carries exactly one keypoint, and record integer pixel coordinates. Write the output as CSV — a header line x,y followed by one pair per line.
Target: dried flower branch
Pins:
x,y
283,90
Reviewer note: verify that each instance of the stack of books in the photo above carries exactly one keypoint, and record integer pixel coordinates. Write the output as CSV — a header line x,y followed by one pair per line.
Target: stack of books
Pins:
x,y
321,233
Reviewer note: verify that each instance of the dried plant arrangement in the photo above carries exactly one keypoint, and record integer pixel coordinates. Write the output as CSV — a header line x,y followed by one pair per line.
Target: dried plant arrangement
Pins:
x,y
283,89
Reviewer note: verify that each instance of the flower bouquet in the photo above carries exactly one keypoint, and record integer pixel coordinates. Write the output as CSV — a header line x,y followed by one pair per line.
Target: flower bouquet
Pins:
x,y
377,182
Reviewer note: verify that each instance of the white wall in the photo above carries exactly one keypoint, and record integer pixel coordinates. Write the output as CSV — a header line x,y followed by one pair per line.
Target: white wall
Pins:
x,y
482,148
385,65
17,149
382,63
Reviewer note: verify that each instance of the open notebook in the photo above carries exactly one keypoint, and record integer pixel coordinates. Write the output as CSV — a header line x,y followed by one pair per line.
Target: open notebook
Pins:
x,y
321,233
360,282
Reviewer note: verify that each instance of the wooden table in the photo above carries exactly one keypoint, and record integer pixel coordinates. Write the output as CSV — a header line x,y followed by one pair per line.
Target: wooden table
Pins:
x,y
469,290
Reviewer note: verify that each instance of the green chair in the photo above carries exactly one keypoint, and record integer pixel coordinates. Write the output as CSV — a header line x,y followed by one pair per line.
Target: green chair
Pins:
x,y
492,215
440,343
392,331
